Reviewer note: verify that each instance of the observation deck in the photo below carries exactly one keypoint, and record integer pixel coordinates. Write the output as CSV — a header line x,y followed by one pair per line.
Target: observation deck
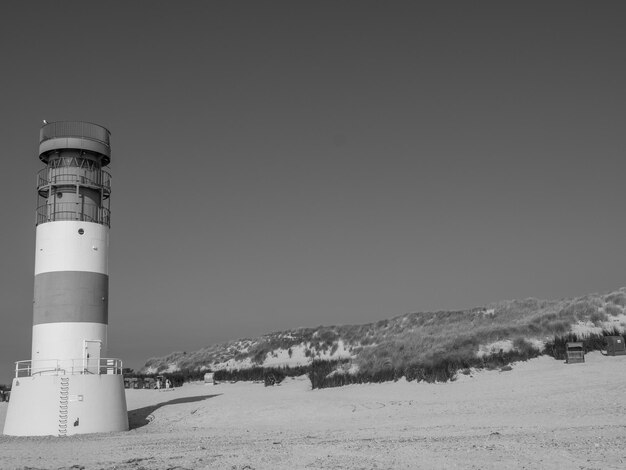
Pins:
x,y
94,178
85,212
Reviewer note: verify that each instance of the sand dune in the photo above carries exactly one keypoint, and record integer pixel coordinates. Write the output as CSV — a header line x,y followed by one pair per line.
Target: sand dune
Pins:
x,y
543,413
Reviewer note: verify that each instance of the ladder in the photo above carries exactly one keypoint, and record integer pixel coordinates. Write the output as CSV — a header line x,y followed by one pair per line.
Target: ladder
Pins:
x,y
63,401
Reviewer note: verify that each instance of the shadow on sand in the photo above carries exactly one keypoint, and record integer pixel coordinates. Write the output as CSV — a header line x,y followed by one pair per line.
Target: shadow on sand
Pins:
x,y
142,416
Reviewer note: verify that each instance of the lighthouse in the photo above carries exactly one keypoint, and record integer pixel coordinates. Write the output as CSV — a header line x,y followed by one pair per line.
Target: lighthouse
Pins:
x,y
70,386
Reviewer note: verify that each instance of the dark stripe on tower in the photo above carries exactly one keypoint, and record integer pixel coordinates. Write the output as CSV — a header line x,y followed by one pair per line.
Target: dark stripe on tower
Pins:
x,y
71,296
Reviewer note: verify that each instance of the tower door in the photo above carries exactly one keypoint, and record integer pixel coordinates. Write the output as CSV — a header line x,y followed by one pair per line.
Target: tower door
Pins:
x,y
91,356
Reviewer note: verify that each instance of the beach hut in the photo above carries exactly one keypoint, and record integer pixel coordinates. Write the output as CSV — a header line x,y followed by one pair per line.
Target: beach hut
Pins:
x,y
574,352
208,379
615,346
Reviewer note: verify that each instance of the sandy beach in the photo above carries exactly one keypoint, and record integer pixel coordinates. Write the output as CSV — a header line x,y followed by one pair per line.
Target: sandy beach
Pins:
x,y
541,414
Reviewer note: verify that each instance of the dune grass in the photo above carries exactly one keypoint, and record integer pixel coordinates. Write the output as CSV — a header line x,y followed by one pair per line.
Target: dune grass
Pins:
x,y
429,346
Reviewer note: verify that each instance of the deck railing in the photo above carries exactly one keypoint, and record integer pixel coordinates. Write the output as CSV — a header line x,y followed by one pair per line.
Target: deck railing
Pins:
x,y
96,178
105,366
73,211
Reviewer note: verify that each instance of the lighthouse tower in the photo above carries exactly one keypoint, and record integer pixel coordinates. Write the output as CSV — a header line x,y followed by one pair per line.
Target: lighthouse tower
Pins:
x,y
69,386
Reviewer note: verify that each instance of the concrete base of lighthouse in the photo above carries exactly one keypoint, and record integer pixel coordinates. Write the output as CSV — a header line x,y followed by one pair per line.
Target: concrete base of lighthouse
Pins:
x,y
63,405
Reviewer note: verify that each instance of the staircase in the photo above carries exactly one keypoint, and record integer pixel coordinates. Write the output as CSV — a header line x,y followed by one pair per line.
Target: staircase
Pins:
x,y
63,400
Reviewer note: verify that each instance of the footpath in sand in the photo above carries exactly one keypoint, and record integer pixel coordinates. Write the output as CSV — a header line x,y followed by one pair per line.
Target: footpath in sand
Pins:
x,y
542,414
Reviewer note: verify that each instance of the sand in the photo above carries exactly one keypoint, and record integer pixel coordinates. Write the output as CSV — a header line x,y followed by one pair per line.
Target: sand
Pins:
x,y
542,414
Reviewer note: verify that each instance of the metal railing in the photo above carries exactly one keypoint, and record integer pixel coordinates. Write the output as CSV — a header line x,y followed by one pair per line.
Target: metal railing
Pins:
x,y
82,211
106,366
83,130
71,175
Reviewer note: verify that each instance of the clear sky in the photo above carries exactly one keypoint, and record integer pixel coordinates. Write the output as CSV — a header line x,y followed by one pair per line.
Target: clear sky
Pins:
x,y
287,164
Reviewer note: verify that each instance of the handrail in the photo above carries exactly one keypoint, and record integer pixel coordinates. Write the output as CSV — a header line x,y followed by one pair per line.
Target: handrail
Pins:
x,y
83,366
72,175
82,211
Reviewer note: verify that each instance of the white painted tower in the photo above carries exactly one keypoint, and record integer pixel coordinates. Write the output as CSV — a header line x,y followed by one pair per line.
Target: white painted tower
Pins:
x,y
69,386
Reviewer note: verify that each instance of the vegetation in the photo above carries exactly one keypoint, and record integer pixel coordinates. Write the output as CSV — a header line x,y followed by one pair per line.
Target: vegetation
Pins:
x,y
268,375
592,342
428,346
